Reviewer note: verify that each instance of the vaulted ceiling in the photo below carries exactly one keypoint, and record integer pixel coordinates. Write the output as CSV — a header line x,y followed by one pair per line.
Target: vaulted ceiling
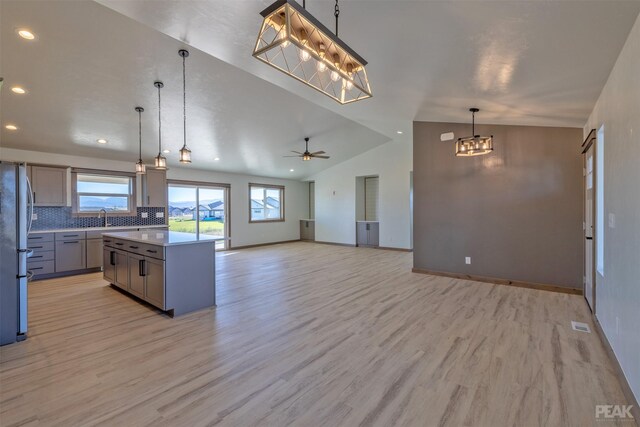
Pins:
x,y
522,62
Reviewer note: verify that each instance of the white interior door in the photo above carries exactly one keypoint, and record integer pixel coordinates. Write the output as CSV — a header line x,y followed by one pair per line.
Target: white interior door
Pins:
x,y
589,290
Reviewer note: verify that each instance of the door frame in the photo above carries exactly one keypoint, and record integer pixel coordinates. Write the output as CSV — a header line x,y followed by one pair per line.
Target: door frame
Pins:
x,y
590,143
227,204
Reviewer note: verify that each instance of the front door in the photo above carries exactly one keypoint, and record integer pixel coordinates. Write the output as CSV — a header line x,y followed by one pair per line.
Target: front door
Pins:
x,y
589,288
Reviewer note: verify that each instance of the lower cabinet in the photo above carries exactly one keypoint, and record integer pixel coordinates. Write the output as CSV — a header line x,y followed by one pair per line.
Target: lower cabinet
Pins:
x,y
109,263
70,255
122,269
135,273
94,253
367,233
154,282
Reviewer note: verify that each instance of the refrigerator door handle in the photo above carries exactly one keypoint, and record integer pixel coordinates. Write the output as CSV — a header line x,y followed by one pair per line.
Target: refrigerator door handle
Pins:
x,y
30,211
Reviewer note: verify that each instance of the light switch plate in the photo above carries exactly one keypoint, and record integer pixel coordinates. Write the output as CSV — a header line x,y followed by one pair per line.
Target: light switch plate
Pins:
x,y
467,260
159,214
144,214
612,220
34,217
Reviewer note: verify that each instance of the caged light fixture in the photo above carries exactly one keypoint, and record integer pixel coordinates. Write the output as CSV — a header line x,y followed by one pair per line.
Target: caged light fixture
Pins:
x,y
185,153
160,160
141,169
474,145
296,43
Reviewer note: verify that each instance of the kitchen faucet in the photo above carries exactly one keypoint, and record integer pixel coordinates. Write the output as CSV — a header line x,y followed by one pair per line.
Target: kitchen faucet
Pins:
x,y
105,216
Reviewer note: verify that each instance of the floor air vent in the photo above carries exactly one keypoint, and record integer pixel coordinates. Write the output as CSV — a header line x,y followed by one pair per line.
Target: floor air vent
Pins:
x,y
579,326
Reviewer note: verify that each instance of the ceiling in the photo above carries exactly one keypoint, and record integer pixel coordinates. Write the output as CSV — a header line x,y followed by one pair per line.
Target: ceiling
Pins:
x,y
90,66
522,62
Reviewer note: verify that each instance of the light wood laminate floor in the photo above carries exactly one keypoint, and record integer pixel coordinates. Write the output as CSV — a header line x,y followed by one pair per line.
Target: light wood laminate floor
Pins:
x,y
309,335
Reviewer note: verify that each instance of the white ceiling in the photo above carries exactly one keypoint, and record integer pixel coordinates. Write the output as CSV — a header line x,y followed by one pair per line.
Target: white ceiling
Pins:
x,y
522,62
90,66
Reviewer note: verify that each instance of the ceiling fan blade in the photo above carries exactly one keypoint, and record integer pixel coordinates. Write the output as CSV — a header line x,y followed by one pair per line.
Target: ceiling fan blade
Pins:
x,y
297,152
320,157
317,152
291,156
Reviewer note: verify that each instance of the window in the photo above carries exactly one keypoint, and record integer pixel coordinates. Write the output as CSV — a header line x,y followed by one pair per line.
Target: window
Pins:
x,y
600,201
95,191
266,203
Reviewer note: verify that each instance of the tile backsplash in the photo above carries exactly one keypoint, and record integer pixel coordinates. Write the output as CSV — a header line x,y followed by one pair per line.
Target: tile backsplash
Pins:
x,y
50,218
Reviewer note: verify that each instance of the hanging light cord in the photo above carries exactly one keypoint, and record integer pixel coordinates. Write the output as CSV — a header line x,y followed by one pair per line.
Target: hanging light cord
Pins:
x,y
336,13
473,123
140,135
184,101
159,125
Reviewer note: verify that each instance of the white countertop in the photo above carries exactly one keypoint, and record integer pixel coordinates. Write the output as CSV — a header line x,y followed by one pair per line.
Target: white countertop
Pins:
x,y
163,238
112,227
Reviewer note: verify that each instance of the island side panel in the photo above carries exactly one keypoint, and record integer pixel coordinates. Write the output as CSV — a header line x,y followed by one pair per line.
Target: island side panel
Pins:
x,y
190,277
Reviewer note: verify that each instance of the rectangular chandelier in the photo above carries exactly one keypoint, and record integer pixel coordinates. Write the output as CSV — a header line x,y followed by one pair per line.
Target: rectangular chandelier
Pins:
x,y
294,42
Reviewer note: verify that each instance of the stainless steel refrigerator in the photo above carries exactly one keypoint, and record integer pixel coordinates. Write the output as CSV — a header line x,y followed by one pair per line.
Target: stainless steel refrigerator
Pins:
x,y
16,211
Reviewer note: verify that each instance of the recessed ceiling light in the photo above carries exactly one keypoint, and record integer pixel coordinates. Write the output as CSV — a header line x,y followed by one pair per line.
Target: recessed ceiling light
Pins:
x,y
102,141
290,170
26,34
11,127
18,90
166,151
216,159
399,132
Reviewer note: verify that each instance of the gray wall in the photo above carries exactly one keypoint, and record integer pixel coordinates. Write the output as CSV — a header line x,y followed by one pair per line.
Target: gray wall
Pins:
x,y
618,291
517,212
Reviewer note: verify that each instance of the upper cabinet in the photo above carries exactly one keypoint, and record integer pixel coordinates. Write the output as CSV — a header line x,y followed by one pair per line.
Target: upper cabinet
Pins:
x,y
154,188
49,185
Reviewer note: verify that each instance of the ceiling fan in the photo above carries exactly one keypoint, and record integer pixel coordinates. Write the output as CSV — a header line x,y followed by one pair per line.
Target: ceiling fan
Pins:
x,y
307,155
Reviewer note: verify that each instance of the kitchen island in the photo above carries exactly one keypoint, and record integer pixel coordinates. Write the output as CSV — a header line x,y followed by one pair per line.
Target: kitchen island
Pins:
x,y
172,271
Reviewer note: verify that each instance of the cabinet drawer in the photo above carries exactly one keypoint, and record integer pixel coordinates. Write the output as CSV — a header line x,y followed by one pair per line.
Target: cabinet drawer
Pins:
x,y
152,251
38,246
39,237
41,267
41,256
70,235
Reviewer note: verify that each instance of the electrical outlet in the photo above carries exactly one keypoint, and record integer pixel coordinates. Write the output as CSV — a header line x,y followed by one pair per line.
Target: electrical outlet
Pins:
x,y
612,220
144,214
34,217
159,214
467,260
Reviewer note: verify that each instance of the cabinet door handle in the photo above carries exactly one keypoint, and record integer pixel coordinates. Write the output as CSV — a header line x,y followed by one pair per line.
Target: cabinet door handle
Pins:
x,y
74,241
112,261
70,235
368,227
36,247
119,244
35,238
34,197
37,268
36,256
141,268
133,247
152,252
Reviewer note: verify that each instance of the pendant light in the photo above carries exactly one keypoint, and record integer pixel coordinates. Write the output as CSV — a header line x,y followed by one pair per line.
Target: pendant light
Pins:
x,y
141,169
185,153
296,43
160,160
474,145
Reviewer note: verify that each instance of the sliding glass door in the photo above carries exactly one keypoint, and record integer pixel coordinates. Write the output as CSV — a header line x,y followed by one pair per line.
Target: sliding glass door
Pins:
x,y
200,209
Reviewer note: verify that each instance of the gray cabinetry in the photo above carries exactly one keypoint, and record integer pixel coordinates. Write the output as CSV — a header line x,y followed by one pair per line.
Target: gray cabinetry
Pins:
x,y
94,253
121,269
307,230
367,233
154,282
49,185
70,251
136,274
42,261
109,264
154,188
